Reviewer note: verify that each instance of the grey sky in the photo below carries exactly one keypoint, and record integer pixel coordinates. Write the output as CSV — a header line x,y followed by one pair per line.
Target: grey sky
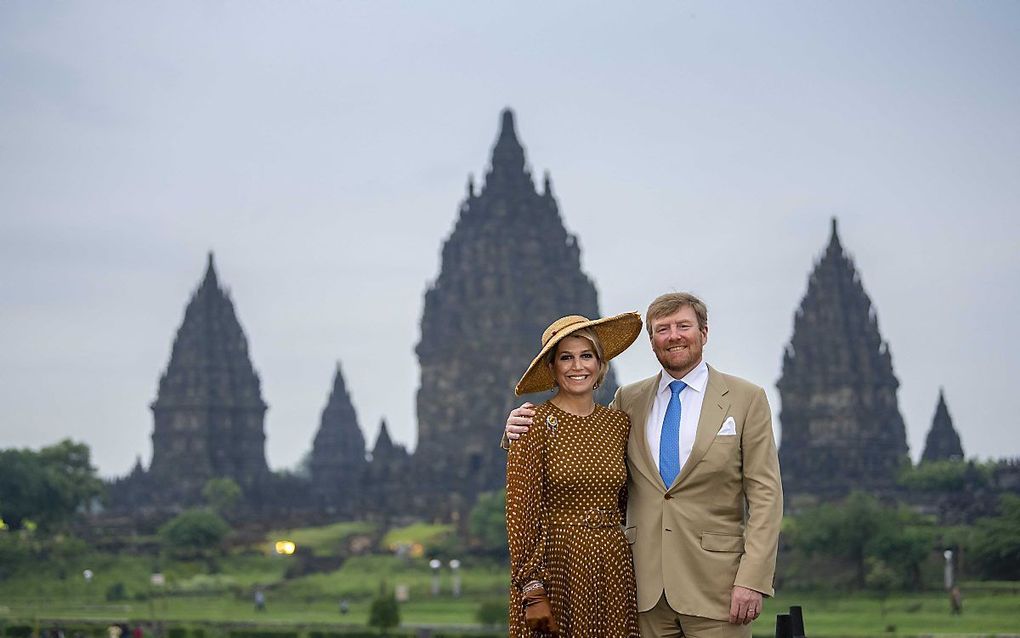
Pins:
x,y
321,149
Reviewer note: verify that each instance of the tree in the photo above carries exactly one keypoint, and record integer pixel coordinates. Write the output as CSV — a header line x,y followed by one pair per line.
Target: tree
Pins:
x,y
946,476
48,486
840,530
860,529
995,542
194,533
221,494
880,579
487,522
384,613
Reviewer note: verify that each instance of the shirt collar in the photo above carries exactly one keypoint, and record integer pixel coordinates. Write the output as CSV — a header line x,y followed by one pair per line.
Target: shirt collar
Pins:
x,y
696,379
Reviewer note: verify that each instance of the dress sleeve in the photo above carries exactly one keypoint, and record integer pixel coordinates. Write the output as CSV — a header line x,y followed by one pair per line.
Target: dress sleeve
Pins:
x,y
525,502
622,498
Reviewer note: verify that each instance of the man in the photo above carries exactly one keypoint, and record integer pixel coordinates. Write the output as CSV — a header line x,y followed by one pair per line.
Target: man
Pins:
x,y
705,500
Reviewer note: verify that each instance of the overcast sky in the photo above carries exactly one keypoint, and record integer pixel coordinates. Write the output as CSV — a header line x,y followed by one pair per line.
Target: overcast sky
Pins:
x,y
321,150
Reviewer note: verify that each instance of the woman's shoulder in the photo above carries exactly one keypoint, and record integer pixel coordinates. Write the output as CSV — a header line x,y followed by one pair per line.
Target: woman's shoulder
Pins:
x,y
612,414
536,433
544,408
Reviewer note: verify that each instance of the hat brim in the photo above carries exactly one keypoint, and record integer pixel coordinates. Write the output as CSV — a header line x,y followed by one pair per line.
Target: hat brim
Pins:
x,y
616,333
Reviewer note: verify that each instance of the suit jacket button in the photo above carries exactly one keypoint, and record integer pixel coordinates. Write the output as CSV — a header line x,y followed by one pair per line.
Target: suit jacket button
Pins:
x,y
668,496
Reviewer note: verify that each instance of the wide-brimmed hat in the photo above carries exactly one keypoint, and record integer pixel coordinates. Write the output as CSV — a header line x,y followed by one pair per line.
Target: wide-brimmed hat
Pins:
x,y
615,333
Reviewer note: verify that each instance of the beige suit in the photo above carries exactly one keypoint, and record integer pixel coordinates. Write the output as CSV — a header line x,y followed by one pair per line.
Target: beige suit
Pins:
x,y
718,524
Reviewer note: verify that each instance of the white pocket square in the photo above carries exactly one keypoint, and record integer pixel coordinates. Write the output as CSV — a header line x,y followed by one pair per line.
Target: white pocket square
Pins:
x,y
729,427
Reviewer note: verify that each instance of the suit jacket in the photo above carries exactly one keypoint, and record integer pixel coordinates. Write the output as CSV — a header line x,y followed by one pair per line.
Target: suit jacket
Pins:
x,y
718,524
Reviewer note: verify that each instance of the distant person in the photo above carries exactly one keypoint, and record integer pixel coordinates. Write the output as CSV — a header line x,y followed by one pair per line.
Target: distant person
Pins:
x,y
260,599
705,498
344,607
955,601
571,569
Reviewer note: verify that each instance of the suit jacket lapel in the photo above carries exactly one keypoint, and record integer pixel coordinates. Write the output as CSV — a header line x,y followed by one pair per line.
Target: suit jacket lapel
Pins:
x,y
638,422
713,411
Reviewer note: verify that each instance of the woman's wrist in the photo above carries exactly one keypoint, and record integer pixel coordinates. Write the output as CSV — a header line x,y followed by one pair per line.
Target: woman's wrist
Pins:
x,y
535,584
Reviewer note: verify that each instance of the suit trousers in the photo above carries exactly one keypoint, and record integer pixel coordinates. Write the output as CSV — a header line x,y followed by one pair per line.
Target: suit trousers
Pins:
x,y
662,622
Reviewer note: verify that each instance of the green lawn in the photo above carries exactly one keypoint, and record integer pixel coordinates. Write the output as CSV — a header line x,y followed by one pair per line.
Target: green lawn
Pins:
x,y
324,540
985,614
221,592
906,614
424,534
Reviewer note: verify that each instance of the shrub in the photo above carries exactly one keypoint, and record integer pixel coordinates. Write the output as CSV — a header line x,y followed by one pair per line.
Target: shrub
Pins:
x,y
194,533
493,613
116,592
384,612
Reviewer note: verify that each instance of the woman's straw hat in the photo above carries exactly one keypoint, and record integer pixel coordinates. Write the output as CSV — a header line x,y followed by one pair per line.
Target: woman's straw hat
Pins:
x,y
615,334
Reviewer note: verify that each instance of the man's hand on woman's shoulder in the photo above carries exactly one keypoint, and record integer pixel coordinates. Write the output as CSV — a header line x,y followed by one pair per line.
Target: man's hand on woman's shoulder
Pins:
x,y
519,420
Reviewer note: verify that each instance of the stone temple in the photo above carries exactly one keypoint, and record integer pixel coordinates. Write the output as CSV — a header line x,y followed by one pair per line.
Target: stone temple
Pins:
x,y
943,443
509,268
208,413
338,465
841,422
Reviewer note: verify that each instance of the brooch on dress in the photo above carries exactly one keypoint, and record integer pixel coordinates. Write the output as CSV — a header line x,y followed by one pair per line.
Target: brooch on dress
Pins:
x,y
551,423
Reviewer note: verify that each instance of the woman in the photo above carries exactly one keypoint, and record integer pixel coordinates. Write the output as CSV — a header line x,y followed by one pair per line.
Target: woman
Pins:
x,y
566,487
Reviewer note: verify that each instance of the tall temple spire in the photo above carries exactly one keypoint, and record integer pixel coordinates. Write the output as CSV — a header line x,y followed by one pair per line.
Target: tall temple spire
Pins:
x,y
338,452
383,442
508,169
943,442
385,450
388,476
209,409
841,424
210,272
492,294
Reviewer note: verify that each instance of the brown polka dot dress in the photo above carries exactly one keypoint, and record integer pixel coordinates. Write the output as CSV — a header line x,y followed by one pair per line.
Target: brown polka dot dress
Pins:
x,y
566,490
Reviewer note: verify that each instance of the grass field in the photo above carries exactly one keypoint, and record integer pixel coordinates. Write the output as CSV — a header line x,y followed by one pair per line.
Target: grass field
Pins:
x,y
221,592
324,540
987,613
905,614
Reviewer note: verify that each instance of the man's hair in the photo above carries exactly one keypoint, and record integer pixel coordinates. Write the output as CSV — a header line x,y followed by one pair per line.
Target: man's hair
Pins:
x,y
667,304
596,346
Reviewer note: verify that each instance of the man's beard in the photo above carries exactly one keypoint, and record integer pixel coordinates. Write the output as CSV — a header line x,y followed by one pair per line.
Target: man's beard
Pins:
x,y
690,359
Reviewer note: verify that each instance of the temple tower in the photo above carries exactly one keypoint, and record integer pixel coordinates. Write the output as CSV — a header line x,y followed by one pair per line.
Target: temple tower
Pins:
x,y
338,461
209,411
943,443
841,424
389,485
509,268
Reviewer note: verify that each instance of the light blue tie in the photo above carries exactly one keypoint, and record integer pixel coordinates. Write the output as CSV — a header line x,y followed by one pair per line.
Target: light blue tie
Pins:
x,y
669,440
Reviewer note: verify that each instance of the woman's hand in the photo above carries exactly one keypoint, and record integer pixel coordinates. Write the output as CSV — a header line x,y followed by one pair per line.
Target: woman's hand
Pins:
x,y
537,612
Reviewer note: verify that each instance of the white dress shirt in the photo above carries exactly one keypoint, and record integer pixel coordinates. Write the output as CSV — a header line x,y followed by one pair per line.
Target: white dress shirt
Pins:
x,y
691,399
